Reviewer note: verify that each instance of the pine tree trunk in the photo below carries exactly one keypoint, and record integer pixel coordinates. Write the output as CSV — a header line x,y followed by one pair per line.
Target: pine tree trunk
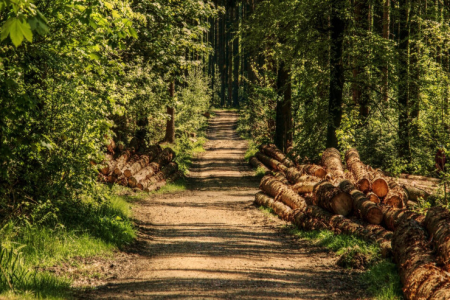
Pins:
x,y
403,77
336,72
358,169
283,120
170,126
386,24
331,160
332,199
437,222
236,58
362,206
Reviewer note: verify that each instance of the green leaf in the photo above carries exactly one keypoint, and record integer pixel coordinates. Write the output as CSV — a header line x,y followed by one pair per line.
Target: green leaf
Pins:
x,y
17,31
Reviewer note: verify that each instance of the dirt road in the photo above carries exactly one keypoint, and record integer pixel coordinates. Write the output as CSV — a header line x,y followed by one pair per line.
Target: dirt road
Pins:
x,y
211,242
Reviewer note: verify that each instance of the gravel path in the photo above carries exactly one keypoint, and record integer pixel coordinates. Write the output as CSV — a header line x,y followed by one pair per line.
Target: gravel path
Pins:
x,y
211,242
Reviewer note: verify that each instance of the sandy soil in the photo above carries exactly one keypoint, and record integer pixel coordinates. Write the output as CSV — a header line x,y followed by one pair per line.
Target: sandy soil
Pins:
x,y
211,242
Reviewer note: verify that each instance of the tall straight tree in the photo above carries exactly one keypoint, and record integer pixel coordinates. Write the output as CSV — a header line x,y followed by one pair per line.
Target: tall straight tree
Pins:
x,y
336,71
222,57
236,57
403,75
386,31
283,119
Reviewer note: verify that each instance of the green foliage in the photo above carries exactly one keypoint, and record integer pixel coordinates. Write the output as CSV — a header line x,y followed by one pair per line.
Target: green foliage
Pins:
x,y
382,281
251,150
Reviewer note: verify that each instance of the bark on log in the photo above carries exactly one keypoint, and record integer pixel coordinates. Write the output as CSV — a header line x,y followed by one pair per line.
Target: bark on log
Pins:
x,y
362,206
415,193
280,176
306,184
272,151
358,169
331,160
373,197
142,162
281,192
295,176
269,162
254,162
313,170
172,177
332,199
282,210
314,217
108,165
393,216
420,276
397,196
162,175
142,175
437,222
420,178
121,162
111,146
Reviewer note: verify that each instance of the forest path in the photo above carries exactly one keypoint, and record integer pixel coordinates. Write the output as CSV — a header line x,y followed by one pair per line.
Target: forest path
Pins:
x,y
211,242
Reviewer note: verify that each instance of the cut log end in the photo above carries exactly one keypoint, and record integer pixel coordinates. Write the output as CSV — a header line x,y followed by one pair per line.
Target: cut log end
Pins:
x,y
373,197
380,187
342,203
394,201
374,216
363,185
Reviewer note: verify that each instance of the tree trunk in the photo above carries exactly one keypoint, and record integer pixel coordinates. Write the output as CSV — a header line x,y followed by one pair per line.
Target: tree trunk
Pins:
x,y
379,184
332,199
358,169
283,119
236,58
121,162
418,272
254,162
403,76
272,151
170,127
331,160
437,222
336,72
362,206
386,24
392,216
282,210
397,196
267,161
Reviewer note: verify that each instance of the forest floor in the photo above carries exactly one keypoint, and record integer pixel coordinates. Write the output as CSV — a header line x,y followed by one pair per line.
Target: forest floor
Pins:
x,y
212,242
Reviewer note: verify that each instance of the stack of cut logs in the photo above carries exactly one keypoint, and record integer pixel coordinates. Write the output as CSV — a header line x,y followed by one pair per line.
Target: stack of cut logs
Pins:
x,y
147,171
362,201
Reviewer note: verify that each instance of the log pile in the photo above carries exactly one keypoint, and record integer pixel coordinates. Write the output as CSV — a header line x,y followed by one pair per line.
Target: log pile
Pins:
x,y
365,202
147,170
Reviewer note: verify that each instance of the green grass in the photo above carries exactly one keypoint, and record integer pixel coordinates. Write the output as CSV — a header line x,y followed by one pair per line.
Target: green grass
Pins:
x,y
381,279
267,211
94,226
251,151
178,185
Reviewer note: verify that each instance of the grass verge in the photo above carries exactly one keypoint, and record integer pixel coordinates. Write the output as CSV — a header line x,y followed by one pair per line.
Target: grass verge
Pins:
x,y
380,277
92,226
